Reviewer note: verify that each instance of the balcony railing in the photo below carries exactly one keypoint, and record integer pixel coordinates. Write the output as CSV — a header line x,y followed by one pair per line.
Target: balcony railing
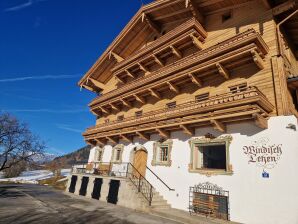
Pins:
x,y
248,95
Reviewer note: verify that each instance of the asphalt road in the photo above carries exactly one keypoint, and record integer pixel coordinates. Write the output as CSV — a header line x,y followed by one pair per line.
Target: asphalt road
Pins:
x,y
26,203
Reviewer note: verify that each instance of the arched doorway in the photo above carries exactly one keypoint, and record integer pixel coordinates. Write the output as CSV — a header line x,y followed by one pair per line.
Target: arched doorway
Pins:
x,y
140,160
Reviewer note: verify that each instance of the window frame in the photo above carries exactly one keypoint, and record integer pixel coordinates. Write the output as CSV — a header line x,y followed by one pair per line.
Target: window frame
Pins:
x,y
203,141
156,159
204,96
97,153
116,148
171,105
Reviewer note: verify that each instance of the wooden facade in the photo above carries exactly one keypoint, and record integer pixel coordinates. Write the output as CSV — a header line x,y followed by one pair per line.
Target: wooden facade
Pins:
x,y
183,64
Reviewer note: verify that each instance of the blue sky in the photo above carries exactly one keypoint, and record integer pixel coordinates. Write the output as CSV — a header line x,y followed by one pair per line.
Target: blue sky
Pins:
x,y
45,47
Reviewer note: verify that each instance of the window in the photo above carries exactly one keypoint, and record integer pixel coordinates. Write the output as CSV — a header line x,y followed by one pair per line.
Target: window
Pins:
x,y
202,97
171,105
107,121
99,154
117,153
162,153
238,88
210,155
120,118
226,16
139,113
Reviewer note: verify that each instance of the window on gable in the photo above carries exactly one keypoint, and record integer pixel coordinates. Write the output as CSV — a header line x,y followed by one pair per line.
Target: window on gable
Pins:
x,y
107,121
120,118
226,16
202,97
238,88
171,105
139,113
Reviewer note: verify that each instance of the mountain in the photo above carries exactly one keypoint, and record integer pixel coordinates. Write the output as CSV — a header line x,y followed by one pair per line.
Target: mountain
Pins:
x,y
66,161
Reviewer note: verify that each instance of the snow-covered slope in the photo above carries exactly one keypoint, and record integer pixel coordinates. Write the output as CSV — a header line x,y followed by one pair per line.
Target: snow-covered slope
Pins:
x,y
33,176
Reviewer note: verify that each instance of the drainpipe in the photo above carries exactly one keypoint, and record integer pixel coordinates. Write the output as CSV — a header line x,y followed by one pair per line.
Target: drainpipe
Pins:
x,y
278,32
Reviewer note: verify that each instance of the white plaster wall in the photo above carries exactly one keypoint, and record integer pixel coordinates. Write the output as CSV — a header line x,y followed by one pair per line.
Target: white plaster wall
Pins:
x,y
253,199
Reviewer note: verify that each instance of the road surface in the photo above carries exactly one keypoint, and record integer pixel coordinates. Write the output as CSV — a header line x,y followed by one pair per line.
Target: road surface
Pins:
x,y
29,203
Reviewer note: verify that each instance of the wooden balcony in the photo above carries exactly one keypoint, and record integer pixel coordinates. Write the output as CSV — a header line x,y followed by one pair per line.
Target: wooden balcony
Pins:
x,y
247,104
156,53
217,60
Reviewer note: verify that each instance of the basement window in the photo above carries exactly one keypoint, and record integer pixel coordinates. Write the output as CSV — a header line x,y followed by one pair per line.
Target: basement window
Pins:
x,y
238,88
120,118
162,153
226,16
171,105
202,97
139,113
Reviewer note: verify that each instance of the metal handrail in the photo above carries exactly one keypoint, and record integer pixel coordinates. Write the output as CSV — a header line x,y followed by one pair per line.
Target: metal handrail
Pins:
x,y
170,189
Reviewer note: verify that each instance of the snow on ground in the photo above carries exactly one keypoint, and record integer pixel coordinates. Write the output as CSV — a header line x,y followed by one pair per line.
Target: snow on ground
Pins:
x,y
33,176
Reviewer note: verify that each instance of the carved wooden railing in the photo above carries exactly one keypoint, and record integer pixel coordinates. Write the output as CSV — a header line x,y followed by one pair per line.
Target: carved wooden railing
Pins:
x,y
241,43
247,95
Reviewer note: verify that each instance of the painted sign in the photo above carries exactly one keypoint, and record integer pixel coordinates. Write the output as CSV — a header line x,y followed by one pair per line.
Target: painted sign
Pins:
x,y
263,154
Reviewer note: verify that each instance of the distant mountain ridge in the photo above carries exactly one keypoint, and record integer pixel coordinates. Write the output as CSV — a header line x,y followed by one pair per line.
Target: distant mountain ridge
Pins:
x,y
80,155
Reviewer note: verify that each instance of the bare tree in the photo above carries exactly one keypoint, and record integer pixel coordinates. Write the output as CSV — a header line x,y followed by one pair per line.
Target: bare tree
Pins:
x,y
17,143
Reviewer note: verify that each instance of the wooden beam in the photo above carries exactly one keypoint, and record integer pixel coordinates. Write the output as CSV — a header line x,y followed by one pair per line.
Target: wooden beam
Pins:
x,y
260,121
217,125
163,133
257,59
114,107
143,136
176,52
143,68
89,88
155,27
196,42
157,60
187,130
155,93
195,80
119,79
140,99
100,142
281,8
111,140
125,138
173,87
98,84
266,4
126,103
116,56
129,73
104,110
194,10
222,71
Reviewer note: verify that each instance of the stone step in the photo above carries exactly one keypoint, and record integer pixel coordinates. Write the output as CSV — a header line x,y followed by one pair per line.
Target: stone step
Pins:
x,y
164,202
158,207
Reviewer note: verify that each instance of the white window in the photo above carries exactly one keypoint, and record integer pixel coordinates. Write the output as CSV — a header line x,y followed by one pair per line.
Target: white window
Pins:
x,y
98,154
162,153
117,154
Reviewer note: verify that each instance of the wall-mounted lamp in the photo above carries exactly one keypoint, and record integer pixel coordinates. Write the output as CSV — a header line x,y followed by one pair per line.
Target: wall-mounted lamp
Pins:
x,y
291,126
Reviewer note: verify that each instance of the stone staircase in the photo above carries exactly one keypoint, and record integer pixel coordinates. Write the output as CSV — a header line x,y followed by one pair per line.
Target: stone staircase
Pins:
x,y
158,201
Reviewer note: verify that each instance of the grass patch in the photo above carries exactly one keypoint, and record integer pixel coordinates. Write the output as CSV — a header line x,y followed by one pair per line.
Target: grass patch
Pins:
x,y
53,181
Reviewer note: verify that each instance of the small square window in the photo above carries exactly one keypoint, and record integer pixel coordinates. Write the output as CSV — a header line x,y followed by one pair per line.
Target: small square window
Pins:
x,y
202,97
171,105
163,153
226,16
238,88
139,113
120,118
107,121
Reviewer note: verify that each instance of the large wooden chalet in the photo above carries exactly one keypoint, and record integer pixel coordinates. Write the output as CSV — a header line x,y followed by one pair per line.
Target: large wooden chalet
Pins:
x,y
197,106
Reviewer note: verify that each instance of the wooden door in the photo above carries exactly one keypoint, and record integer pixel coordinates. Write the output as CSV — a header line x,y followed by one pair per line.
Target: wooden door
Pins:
x,y
113,191
97,188
73,182
140,162
84,185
